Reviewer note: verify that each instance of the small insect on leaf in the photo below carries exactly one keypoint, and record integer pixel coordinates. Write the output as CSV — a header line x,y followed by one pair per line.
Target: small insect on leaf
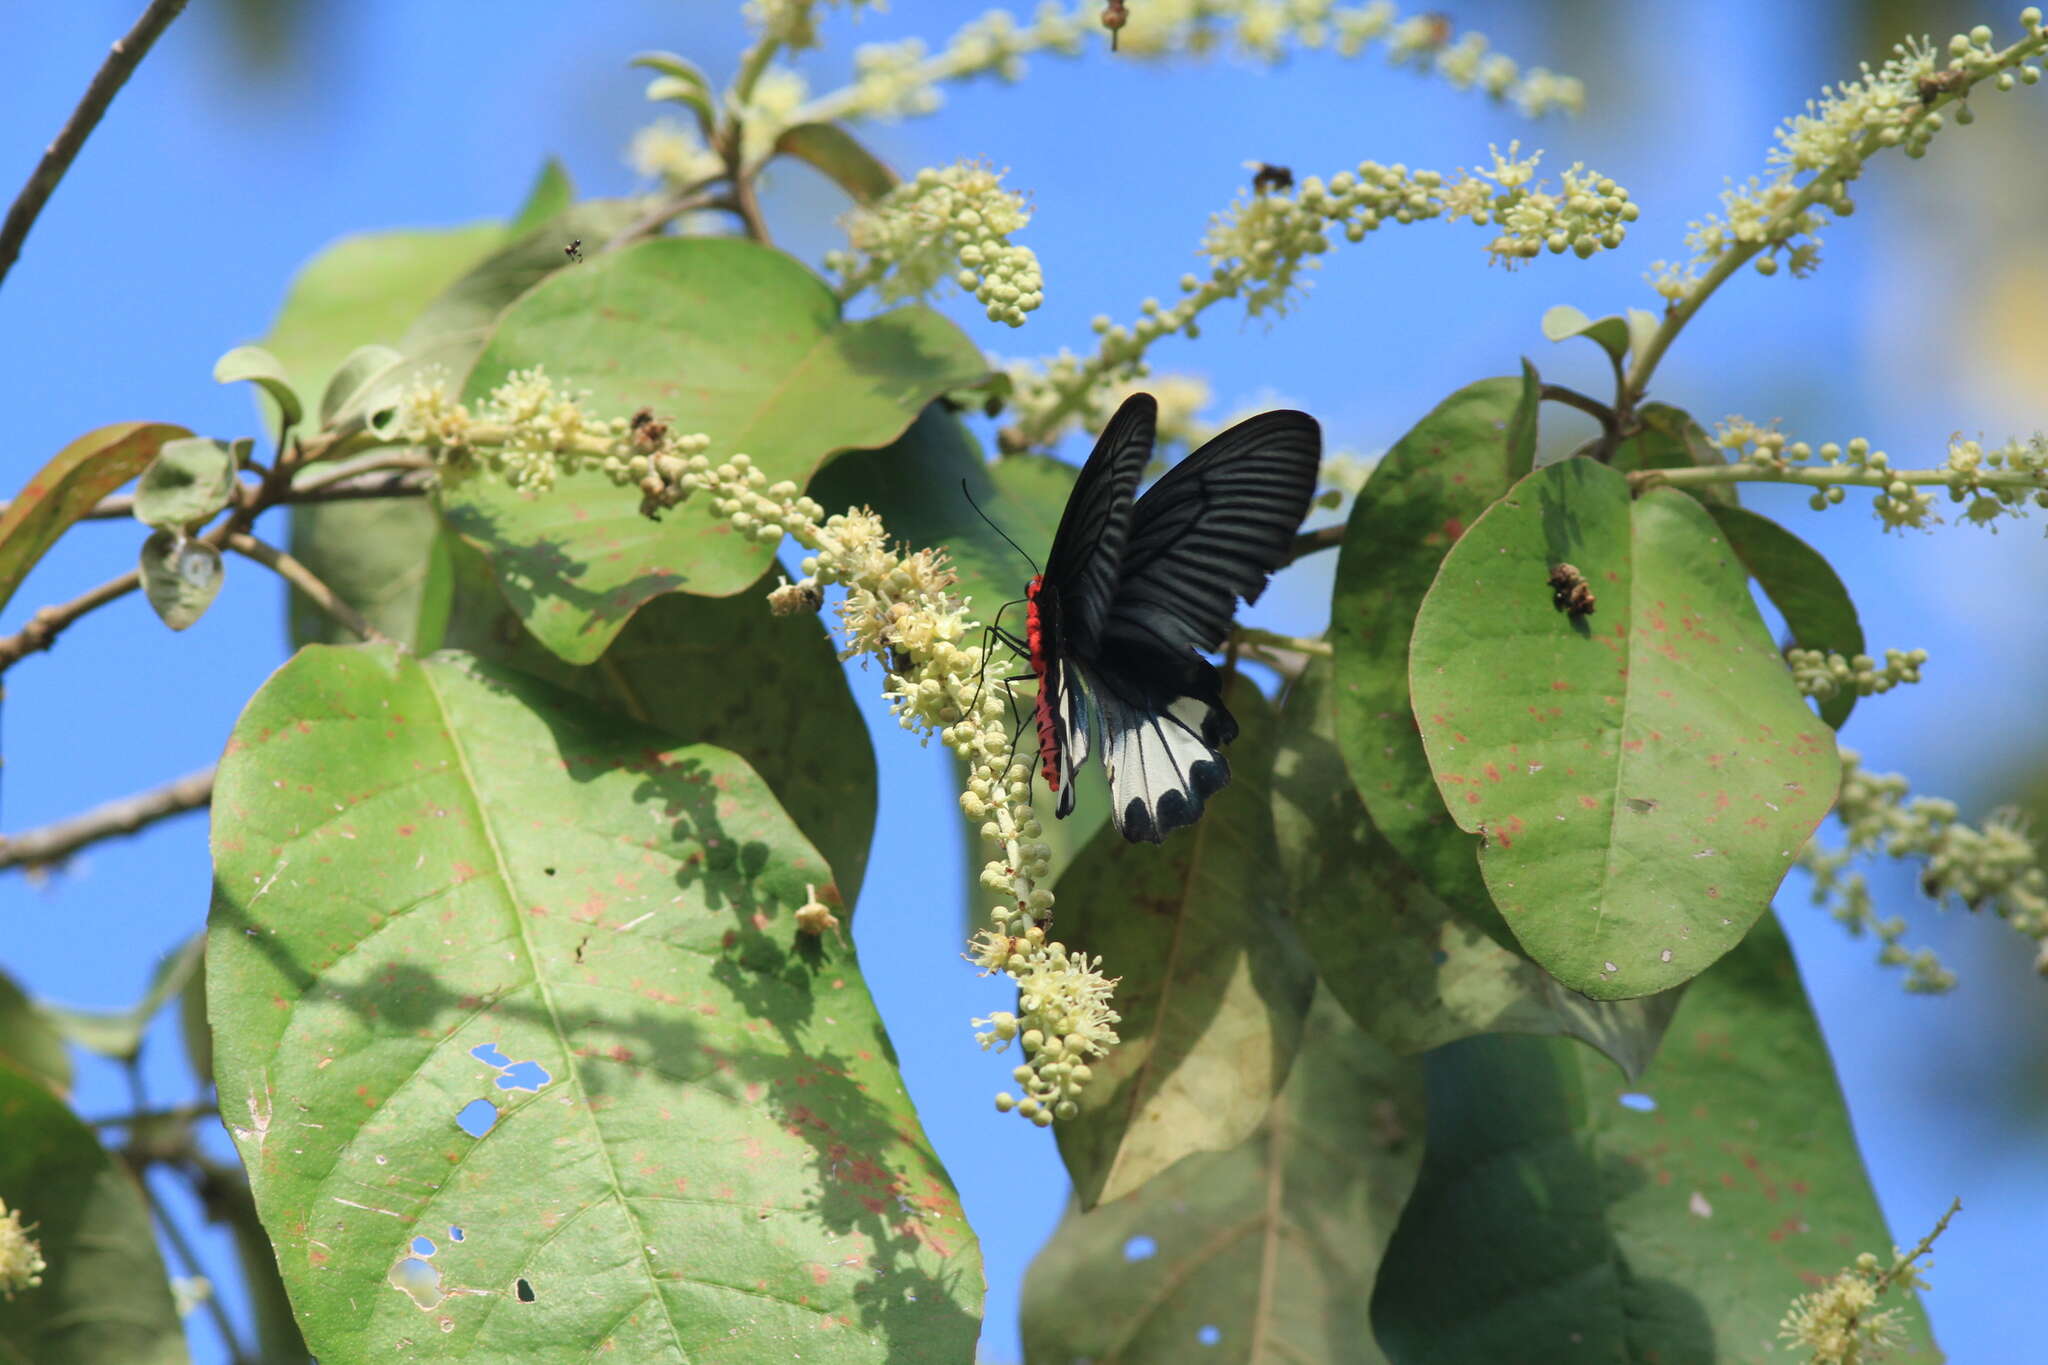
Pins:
x,y
1266,177
574,251
1569,591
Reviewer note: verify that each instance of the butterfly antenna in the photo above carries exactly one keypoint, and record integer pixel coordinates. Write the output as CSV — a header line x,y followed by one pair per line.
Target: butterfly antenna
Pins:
x,y
993,527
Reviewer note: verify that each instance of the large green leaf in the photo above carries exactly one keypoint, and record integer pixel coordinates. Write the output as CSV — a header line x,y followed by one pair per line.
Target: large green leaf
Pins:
x,y
1669,438
1561,1216
1213,983
1260,1253
66,488
1804,588
1434,483
788,712
1643,775
378,555
1411,972
29,1040
720,336
483,957
104,1295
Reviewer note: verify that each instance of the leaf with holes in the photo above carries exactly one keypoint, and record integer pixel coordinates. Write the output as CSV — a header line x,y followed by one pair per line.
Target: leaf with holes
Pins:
x,y
789,713
180,577
1645,774
1434,483
1214,985
1563,1216
68,486
104,1295
520,1044
718,336
1258,1253
1412,973
1804,588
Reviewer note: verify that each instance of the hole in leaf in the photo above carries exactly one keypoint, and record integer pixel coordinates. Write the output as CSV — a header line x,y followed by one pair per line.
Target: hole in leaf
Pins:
x,y
1140,1249
420,1280
477,1118
1439,957
455,1234
523,1291
488,1054
1209,1334
524,1076
1642,1104
423,1246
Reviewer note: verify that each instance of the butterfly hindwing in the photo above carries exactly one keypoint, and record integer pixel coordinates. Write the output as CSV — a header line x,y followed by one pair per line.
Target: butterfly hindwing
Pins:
x,y
1163,722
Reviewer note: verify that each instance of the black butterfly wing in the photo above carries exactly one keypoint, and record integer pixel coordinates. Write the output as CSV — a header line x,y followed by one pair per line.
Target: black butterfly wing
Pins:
x,y
1212,530
1208,533
1087,553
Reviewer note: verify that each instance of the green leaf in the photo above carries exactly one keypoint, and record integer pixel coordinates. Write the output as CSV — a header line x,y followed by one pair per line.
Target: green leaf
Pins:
x,y
841,157
68,487
188,482
1611,334
1434,483
30,1041
180,577
683,82
360,293
724,337
552,194
1642,325
789,712
366,381
1643,775
1411,972
1214,985
1560,1215
104,1296
1804,588
117,1034
262,369
1670,439
700,1145
1258,1253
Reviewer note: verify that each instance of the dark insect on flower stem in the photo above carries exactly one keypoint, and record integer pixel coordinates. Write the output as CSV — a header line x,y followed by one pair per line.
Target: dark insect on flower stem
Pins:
x,y
1569,591
1135,588
1936,84
574,251
1270,177
648,434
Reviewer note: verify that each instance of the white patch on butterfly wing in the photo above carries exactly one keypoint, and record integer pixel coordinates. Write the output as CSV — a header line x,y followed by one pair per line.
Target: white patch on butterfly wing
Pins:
x,y
1160,769
1072,721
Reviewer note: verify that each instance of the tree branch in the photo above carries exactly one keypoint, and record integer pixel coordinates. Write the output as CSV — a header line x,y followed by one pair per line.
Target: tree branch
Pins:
x,y
1322,538
307,582
408,481
122,59
54,843
43,628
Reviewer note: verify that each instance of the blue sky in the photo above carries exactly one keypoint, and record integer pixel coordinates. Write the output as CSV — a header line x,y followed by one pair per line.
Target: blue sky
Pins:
x,y
208,185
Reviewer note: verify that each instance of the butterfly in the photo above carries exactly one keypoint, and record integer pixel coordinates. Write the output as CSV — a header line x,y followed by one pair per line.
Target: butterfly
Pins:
x,y
1134,589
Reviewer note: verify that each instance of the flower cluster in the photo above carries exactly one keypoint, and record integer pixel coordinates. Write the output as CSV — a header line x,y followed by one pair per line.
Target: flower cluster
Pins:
x,y
530,433
1818,152
1989,483
1840,1323
21,1256
898,611
899,79
952,223
1824,675
1260,246
1996,866
791,23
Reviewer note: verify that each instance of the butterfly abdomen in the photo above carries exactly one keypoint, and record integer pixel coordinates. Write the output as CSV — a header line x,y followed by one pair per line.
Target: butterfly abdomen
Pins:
x,y
1035,631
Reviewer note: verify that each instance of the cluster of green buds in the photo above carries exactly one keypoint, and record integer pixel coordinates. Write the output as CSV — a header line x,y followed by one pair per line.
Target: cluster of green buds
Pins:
x,y
529,433
1899,104
21,1256
1997,866
1823,674
1989,483
953,224
1260,246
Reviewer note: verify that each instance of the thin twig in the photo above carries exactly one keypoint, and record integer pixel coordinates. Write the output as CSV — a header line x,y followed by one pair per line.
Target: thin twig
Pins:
x,y
182,1249
341,471
674,206
377,481
1322,538
307,582
192,1111
122,59
43,628
130,814
749,207
1592,407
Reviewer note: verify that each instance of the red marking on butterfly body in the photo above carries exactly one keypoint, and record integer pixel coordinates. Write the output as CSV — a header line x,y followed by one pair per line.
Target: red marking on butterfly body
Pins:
x,y
1048,733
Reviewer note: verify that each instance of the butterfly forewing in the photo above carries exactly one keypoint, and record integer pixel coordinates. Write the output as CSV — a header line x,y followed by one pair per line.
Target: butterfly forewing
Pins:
x,y
1088,547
